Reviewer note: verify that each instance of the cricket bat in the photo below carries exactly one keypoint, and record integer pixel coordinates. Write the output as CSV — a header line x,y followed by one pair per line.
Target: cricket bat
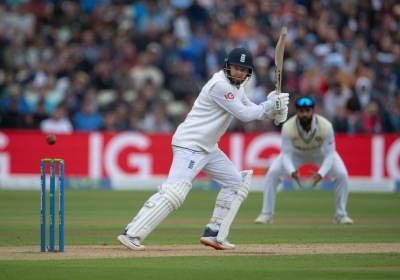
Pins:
x,y
279,51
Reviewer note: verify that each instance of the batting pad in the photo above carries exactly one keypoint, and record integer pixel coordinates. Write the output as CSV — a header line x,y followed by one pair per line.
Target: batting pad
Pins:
x,y
241,194
170,201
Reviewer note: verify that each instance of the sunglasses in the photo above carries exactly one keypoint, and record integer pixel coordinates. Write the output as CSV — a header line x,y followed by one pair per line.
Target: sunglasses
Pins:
x,y
304,102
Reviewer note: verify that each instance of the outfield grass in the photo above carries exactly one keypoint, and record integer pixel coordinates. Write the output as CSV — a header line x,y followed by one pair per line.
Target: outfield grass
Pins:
x,y
97,217
344,266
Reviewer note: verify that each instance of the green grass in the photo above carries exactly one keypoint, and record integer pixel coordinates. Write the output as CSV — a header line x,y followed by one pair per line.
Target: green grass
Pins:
x,y
345,266
97,217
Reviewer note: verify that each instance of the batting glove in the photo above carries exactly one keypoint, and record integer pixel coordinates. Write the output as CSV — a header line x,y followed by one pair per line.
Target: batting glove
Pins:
x,y
280,101
271,95
275,104
281,116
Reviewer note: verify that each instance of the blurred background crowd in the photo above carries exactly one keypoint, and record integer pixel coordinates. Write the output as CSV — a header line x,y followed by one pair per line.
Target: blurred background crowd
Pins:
x,y
70,65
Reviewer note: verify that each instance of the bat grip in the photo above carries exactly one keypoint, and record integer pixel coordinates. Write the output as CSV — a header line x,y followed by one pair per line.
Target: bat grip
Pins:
x,y
278,91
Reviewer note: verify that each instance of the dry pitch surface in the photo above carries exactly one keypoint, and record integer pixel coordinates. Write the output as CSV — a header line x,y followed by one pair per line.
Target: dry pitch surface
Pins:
x,y
119,251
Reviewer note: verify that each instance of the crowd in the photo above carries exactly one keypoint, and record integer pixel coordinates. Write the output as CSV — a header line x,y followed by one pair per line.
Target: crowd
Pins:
x,y
90,65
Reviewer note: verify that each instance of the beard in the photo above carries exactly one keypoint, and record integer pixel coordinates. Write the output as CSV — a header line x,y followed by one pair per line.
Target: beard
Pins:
x,y
304,121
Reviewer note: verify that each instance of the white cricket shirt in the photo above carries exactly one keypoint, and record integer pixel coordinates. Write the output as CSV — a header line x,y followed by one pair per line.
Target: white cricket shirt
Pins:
x,y
212,112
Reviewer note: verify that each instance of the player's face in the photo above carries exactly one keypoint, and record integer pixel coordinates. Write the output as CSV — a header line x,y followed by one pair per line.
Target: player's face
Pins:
x,y
305,115
238,73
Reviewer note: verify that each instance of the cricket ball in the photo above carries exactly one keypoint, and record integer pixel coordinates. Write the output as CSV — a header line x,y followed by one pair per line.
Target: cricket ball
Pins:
x,y
51,139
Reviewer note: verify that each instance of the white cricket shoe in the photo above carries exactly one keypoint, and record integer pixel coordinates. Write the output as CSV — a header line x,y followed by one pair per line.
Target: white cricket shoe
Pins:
x,y
132,243
343,220
264,219
212,242
210,239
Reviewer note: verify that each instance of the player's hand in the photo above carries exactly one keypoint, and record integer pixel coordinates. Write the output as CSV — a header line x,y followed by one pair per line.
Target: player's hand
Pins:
x,y
281,116
280,102
276,104
271,95
296,176
315,177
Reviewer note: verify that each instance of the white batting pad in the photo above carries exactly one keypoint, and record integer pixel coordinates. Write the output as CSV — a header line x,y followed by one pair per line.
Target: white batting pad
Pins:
x,y
170,201
241,194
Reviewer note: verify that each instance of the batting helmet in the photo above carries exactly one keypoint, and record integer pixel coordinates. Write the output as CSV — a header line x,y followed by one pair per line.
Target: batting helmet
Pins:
x,y
239,57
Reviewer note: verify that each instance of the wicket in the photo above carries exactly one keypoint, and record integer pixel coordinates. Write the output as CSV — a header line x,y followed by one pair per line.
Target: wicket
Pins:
x,y
52,204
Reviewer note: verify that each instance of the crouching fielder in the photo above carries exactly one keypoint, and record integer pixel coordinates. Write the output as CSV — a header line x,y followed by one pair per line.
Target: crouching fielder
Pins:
x,y
307,138
195,149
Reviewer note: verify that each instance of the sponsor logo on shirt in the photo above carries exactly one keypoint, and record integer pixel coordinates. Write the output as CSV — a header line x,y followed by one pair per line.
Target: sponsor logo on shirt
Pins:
x,y
307,149
229,96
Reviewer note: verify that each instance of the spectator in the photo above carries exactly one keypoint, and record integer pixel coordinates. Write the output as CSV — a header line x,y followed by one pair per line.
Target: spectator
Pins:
x,y
181,26
58,123
340,122
103,78
28,121
134,121
88,119
185,83
197,14
363,91
144,71
110,121
369,122
55,50
89,49
156,121
214,57
335,96
153,21
121,114
40,113
11,118
394,117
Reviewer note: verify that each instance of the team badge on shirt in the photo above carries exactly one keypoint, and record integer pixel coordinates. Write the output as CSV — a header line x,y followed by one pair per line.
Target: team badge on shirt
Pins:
x,y
191,164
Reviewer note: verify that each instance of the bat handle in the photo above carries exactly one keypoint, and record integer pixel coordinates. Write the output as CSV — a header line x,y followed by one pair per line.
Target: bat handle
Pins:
x,y
278,91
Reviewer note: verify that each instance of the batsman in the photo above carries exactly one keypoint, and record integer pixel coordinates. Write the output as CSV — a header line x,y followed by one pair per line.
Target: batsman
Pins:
x,y
307,138
195,149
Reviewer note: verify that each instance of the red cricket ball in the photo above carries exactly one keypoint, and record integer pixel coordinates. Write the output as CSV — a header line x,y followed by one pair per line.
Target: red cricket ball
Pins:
x,y
51,139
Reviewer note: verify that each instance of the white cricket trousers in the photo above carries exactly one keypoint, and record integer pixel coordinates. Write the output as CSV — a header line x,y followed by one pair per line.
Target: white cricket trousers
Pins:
x,y
277,173
187,164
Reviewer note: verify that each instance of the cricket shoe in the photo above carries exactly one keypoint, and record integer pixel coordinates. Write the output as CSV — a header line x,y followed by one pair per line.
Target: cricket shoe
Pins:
x,y
132,243
210,239
264,219
343,220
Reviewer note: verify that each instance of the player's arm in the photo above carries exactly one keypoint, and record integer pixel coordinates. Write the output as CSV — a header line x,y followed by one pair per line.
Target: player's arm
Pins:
x,y
222,94
246,101
328,147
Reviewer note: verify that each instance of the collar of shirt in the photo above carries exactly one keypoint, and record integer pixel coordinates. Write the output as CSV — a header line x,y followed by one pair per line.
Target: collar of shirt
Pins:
x,y
306,134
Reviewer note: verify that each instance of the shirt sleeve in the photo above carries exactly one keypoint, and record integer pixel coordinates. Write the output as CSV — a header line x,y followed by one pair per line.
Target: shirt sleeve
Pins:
x,y
246,101
329,149
244,110
287,151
